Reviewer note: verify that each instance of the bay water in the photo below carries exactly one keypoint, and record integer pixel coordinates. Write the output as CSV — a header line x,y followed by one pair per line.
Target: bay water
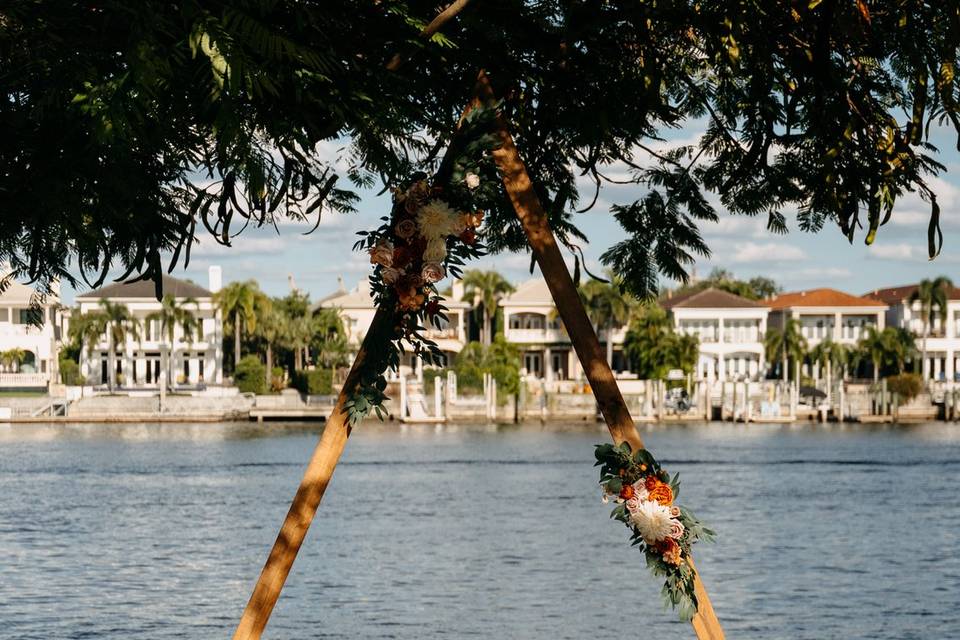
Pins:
x,y
159,532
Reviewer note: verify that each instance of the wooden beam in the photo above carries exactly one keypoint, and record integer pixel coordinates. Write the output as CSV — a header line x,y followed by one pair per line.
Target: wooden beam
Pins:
x,y
316,478
529,210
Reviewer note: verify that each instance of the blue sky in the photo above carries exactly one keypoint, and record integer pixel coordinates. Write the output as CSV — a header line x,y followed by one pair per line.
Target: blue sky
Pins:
x,y
743,245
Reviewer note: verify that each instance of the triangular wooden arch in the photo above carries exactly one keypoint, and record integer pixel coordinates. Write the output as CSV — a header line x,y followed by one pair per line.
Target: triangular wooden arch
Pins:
x,y
320,469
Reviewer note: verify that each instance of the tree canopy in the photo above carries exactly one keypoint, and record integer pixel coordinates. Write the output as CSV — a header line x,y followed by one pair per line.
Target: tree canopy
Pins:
x,y
756,288
130,130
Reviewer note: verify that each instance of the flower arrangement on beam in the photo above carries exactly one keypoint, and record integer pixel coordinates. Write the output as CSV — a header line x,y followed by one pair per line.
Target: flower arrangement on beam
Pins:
x,y
645,496
435,226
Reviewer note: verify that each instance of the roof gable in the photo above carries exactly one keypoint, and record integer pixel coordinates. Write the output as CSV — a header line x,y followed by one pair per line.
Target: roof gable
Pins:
x,y
532,292
897,295
145,289
710,298
821,298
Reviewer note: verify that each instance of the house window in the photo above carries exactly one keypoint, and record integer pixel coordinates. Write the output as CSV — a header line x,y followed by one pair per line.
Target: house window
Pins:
x,y
103,371
186,367
29,316
200,369
4,315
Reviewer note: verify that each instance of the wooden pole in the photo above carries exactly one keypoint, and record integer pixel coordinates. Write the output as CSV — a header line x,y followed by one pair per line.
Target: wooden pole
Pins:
x,y
305,502
533,218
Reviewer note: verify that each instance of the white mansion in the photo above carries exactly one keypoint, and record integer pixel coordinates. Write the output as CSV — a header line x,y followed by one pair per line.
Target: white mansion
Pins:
x,y
197,358
29,327
943,339
730,329
357,310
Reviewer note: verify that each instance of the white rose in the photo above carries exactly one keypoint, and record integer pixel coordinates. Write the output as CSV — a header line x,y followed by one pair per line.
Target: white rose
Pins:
x,y
433,272
472,180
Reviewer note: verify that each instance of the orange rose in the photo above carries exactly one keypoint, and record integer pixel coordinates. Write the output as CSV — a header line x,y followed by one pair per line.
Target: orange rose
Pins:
x,y
670,550
661,493
627,491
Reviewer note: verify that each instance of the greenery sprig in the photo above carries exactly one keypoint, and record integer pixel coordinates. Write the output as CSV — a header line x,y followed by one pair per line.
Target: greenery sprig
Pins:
x,y
433,229
663,531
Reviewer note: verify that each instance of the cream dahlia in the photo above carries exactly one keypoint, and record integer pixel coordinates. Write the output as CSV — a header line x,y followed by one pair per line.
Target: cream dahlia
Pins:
x,y
435,219
652,520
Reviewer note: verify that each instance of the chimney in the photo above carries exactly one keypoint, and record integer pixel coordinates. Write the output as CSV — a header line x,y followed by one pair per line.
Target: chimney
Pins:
x,y
215,278
457,293
340,287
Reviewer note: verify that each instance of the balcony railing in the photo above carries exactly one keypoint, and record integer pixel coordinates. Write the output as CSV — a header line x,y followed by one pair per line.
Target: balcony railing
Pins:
x,y
536,335
10,329
24,379
450,333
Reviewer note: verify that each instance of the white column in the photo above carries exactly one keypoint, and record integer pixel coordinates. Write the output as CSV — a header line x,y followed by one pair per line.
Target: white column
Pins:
x,y
926,367
837,319
720,336
548,364
721,367
936,367
951,366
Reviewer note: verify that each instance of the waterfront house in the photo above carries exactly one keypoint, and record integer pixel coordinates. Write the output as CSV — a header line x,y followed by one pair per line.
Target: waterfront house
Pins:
x,y
730,329
29,337
827,313
531,321
197,356
356,310
943,339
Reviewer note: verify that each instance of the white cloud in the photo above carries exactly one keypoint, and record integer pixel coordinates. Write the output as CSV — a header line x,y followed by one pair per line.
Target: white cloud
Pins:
x,y
746,252
824,274
742,226
241,245
900,251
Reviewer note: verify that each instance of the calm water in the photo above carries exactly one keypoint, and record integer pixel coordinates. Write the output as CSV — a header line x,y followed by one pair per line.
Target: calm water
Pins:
x,y
159,532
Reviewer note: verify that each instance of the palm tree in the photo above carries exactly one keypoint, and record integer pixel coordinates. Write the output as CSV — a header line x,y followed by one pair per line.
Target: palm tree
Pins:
x,y
785,344
86,330
901,346
875,346
931,294
119,325
174,313
485,289
238,302
605,306
13,357
272,328
833,356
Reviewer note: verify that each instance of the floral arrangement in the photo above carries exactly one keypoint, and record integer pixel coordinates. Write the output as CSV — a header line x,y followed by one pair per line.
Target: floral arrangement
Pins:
x,y
431,232
664,531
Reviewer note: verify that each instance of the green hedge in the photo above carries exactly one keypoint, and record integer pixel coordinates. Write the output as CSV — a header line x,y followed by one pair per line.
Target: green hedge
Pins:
x,y
907,385
70,373
314,382
249,375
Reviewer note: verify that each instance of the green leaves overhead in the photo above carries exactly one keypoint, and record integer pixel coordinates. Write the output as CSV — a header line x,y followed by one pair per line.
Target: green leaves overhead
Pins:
x,y
127,130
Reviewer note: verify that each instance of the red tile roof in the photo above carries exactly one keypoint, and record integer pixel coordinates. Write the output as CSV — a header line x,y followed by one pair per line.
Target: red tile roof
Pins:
x,y
896,295
821,298
710,298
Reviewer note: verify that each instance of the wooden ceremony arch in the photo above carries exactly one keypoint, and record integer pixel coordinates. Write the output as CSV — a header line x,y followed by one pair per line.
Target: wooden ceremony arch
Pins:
x,y
326,455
